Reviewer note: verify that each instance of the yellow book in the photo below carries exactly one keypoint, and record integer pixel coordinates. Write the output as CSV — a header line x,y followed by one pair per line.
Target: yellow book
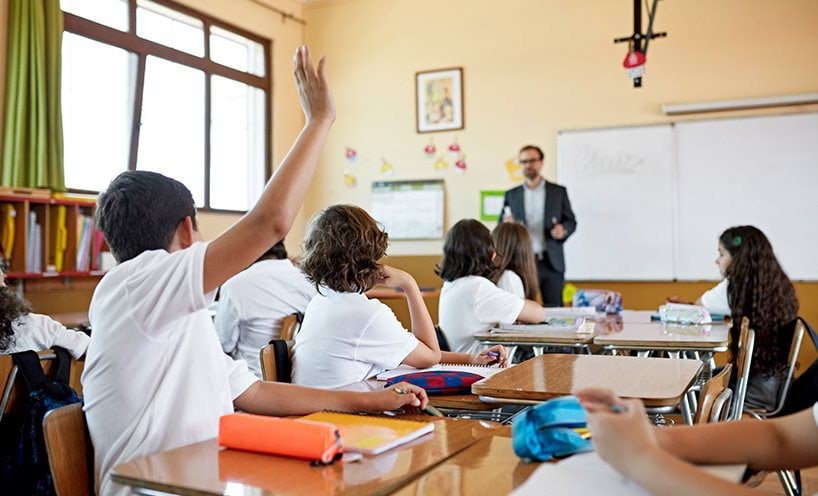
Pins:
x,y
372,435
61,241
8,230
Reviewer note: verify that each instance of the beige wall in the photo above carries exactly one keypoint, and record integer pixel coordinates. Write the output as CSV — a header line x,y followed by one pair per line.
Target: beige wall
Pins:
x,y
531,68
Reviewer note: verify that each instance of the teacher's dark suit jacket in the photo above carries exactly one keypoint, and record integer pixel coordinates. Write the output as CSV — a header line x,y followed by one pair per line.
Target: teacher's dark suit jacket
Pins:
x,y
556,205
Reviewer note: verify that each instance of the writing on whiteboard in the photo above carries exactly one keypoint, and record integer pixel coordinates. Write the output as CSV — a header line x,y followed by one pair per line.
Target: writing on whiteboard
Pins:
x,y
592,161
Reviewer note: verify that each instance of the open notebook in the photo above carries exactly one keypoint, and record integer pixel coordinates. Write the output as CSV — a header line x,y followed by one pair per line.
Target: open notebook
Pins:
x,y
372,435
556,324
481,370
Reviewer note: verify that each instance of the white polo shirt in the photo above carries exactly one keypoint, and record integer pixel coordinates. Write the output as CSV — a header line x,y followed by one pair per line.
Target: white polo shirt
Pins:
x,y
511,282
715,300
473,304
346,338
253,304
35,332
155,375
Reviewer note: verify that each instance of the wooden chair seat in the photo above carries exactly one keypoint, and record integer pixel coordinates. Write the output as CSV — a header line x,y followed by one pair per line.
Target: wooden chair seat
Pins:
x,y
70,452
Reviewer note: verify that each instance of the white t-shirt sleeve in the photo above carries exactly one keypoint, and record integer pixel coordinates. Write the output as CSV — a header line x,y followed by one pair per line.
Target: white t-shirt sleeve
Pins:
x,y
227,322
815,413
40,332
493,305
384,342
239,376
715,300
511,283
167,286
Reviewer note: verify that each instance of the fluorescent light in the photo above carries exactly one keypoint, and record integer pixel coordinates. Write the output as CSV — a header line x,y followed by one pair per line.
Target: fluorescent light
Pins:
x,y
742,104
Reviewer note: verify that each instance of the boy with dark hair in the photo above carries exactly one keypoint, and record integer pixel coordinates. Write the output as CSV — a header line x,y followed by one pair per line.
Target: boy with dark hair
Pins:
x,y
155,376
254,303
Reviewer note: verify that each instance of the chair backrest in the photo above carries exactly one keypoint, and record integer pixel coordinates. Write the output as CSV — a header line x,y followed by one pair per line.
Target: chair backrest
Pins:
x,y
711,390
70,452
276,361
746,345
289,326
14,387
795,349
441,339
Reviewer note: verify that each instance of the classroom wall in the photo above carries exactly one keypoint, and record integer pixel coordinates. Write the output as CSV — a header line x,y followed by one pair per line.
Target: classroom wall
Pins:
x,y
532,68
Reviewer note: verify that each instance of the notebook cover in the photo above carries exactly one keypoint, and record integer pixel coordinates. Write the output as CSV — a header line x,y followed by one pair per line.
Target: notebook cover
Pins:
x,y
372,435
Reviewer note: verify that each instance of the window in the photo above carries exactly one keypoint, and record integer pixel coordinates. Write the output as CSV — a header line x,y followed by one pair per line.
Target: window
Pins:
x,y
153,85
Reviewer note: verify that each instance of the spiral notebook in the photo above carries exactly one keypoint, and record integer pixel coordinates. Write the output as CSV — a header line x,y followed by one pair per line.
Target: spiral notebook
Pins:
x,y
481,370
372,435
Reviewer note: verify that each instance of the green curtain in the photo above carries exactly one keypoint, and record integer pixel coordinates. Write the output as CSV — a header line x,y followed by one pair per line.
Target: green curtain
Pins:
x,y
33,146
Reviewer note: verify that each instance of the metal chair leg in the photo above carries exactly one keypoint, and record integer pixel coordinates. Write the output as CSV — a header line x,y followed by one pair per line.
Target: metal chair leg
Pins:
x,y
787,482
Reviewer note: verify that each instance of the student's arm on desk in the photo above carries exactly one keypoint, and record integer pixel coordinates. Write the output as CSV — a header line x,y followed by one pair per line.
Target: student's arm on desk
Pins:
x,y
661,459
275,398
532,313
789,442
273,214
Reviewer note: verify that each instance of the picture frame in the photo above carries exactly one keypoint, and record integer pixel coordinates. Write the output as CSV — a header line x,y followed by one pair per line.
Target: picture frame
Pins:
x,y
439,100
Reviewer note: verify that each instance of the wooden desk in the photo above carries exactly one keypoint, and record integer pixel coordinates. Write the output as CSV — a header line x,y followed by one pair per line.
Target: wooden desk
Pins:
x,y
666,337
71,319
489,466
383,293
205,468
656,381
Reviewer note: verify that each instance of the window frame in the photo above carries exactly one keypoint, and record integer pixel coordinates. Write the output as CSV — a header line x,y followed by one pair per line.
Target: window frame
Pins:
x,y
142,48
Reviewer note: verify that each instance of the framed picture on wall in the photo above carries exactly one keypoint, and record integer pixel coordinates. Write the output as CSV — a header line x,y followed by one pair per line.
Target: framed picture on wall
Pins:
x,y
439,100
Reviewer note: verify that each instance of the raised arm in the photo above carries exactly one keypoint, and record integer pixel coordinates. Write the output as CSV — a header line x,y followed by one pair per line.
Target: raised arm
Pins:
x,y
273,214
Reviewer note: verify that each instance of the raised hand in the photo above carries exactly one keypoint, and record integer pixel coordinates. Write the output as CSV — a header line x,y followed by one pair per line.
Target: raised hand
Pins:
x,y
313,90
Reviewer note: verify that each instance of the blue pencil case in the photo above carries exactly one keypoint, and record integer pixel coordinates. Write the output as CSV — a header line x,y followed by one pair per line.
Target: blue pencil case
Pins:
x,y
547,431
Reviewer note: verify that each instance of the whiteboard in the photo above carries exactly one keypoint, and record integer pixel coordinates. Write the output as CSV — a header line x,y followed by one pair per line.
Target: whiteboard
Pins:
x,y
761,171
651,201
620,184
409,209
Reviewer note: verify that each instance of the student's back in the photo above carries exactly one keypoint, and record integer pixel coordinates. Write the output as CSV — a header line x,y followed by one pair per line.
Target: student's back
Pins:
x,y
155,377
253,304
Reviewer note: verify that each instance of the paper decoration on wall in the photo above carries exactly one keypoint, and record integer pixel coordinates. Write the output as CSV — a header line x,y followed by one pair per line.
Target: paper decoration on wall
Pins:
x,y
441,164
387,169
454,148
349,179
430,149
460,164
351,154
515,170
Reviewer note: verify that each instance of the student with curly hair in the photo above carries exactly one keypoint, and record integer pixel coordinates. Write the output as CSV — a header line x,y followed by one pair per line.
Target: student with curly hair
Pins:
x,y
469,301
347,337
517,271
755,286
21,330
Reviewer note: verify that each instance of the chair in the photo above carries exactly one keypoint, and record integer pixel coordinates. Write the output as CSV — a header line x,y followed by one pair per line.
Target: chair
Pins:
x,y
70,452
710,406
276,361
746,345
13,394
784,389
290,326
441,339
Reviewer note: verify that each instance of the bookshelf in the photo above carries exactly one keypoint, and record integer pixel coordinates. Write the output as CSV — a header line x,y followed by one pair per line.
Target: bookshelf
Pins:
x,y
42,236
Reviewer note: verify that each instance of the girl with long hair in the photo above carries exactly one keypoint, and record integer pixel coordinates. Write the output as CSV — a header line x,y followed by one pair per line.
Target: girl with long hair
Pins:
x,y
517,270
755,286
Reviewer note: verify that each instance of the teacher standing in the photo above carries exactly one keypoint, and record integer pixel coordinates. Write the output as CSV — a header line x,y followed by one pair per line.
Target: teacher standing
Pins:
x,y
543,207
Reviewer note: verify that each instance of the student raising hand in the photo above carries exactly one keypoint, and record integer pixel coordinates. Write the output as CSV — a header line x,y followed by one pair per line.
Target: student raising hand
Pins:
x,y
313,90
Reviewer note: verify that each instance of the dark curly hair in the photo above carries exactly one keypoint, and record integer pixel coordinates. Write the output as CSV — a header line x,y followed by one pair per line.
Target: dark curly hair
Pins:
x,y
12,307
759,289
468,251
513,244
342,249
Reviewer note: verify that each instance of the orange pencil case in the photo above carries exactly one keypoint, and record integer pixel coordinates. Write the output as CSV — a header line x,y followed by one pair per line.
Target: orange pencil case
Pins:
x,y
316,441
